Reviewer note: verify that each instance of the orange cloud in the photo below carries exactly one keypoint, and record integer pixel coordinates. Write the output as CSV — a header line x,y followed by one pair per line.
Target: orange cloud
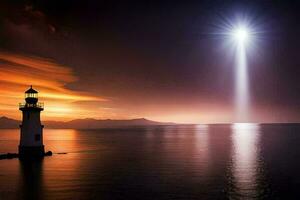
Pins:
x,y
17,72
40,65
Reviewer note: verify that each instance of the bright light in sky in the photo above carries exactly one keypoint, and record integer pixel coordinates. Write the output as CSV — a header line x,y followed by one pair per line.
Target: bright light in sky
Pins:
x,y
241,37
241,34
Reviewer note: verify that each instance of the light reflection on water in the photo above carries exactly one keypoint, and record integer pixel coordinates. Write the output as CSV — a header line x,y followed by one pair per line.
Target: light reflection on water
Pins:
x,y
202,151
245,159
157,162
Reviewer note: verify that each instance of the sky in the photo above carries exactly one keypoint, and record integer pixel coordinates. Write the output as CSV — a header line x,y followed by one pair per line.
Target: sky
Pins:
x,y
164,61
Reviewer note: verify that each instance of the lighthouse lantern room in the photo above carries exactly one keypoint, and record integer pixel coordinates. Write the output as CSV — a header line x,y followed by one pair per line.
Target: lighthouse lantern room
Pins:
x,y
31,141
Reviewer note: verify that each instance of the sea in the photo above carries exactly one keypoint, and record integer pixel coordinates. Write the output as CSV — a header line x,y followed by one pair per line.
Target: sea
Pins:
x,y
225,161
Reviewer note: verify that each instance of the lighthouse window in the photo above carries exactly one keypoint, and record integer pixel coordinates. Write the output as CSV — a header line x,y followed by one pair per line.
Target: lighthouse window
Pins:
x,y
37,137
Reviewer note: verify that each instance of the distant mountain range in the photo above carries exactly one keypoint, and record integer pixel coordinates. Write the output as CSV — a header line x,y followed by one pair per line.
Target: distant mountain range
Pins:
x,y
89,123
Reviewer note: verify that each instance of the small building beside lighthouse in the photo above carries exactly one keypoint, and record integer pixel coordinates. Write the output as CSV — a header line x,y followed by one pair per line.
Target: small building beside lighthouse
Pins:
x,y
31,141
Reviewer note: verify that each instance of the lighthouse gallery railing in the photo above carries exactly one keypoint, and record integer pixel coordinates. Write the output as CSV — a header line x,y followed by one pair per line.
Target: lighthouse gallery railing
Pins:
x,y
27,105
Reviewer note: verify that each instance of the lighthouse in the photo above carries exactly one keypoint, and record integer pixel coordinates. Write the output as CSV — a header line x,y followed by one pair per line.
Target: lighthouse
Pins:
x,y
31,141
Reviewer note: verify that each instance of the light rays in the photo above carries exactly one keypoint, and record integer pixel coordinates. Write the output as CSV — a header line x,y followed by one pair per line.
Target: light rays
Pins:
x,y
241,37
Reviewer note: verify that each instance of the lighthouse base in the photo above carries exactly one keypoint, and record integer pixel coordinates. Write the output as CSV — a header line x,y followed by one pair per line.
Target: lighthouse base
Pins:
x,y
31,151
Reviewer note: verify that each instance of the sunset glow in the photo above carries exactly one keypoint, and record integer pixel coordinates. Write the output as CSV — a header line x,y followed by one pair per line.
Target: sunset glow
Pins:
x,y
51,79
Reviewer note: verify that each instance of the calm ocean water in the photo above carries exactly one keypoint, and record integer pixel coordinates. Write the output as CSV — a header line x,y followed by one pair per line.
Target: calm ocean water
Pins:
x,y
160,162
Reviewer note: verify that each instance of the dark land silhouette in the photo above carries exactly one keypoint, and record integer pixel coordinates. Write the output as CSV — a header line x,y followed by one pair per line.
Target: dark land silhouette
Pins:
x,y
88,123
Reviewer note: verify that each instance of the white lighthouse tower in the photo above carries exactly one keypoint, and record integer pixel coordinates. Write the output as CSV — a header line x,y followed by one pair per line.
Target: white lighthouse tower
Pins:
x,y
31,142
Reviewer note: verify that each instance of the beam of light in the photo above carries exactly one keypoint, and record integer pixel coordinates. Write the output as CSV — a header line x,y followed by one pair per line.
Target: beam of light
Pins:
x,y
241,38
241,80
